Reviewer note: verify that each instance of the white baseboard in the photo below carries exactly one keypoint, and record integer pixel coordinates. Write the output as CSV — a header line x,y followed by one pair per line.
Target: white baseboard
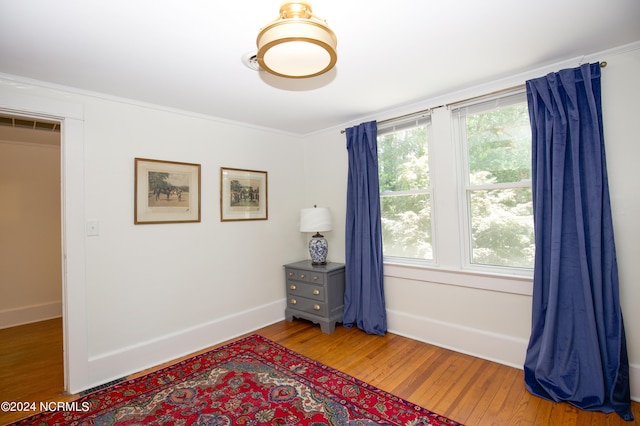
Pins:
x,y
28,314
494,347
117,364
634,378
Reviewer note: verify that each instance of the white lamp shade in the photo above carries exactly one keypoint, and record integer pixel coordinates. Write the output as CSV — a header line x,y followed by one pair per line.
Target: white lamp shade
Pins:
x,y
317,219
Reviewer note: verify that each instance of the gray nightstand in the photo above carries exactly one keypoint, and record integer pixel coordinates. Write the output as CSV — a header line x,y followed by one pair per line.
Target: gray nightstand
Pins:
x,y
315,293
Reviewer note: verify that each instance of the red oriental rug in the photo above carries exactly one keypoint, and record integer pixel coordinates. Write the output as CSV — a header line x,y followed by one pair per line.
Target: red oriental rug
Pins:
x,y
252,381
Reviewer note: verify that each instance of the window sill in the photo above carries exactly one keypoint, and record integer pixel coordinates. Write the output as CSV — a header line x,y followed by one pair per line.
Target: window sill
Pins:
x,y
464,278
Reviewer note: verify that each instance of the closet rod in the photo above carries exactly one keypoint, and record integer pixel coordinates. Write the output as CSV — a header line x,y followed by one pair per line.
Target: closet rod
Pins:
x,y
497,92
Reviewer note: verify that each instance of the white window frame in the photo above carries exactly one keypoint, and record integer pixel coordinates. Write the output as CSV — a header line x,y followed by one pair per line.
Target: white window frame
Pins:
x,y
449,266
465,188
405,123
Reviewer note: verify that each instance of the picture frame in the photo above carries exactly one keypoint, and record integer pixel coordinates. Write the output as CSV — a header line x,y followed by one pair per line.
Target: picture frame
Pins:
x,y
243,194
166,192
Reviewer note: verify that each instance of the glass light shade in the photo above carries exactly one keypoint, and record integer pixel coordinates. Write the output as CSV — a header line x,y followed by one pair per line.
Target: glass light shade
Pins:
x,y
297,45
317,219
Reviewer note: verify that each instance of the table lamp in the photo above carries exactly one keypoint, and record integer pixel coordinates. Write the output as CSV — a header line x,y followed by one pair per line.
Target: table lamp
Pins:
x,y
316,219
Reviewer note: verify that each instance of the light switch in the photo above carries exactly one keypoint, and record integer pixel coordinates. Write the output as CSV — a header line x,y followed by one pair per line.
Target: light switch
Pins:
x,y
93,228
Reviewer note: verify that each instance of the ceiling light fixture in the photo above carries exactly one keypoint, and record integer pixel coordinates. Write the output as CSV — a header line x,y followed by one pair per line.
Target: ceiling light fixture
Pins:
x,y
297,44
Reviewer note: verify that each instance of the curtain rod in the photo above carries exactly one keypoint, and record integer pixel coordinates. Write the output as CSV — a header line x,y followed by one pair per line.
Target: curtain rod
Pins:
x,y
402,116
497,92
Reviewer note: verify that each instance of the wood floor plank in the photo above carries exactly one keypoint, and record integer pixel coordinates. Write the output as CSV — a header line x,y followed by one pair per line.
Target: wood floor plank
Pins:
x,y
467,389
407,381
499,397
475,399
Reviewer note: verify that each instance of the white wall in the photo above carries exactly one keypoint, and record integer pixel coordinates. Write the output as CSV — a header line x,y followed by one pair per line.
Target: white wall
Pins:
x,y
140,295
172,288
139,276
434,305
30,245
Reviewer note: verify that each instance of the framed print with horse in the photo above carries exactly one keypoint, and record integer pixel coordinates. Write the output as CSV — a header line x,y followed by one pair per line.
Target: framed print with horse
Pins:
x,y
166,192
243,195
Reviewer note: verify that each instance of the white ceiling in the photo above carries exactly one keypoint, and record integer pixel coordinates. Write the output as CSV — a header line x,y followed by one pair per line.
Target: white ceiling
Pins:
x,y
187,54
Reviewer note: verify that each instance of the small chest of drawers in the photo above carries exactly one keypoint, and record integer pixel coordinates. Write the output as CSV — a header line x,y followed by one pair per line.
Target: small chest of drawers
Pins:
x,y
315,293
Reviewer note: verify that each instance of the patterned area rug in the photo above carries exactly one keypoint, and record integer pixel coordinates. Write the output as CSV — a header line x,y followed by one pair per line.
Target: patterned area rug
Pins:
x,y
252,381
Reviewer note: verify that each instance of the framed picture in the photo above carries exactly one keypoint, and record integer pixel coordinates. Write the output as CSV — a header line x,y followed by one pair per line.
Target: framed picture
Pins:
x,y
243,195
166,192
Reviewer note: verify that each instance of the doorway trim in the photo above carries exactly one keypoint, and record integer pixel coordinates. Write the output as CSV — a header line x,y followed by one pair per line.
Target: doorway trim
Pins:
x,y
74,315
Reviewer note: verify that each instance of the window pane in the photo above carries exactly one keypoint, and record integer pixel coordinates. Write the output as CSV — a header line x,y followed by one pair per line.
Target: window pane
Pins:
x,y
406,226
499,145
403,160
502,227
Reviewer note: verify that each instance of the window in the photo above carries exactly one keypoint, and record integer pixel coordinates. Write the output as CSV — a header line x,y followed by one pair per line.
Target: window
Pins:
x,y
455,188
495,140
405,188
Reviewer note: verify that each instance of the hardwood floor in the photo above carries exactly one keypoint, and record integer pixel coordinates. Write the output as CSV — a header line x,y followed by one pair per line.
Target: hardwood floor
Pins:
x,y
466,389
31,365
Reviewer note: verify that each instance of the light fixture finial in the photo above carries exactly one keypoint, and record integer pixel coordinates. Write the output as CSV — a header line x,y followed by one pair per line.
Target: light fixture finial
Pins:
x,y
296,9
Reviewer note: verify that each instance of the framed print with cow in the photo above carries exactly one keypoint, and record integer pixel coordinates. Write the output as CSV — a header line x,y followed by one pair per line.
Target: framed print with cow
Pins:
x,y
166,192
243,195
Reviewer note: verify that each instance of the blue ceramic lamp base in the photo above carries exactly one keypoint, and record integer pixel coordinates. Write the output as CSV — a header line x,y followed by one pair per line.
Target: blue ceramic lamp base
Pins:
x,y
318,249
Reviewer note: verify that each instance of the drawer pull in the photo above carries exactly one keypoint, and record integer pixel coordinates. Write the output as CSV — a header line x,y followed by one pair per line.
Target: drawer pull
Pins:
x,y
316,291
316,307
302,276
315,278
294,301
292,287
290,274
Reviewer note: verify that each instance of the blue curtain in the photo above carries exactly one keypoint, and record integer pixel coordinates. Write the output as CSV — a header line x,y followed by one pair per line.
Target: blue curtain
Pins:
x,y
577,350
364,304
